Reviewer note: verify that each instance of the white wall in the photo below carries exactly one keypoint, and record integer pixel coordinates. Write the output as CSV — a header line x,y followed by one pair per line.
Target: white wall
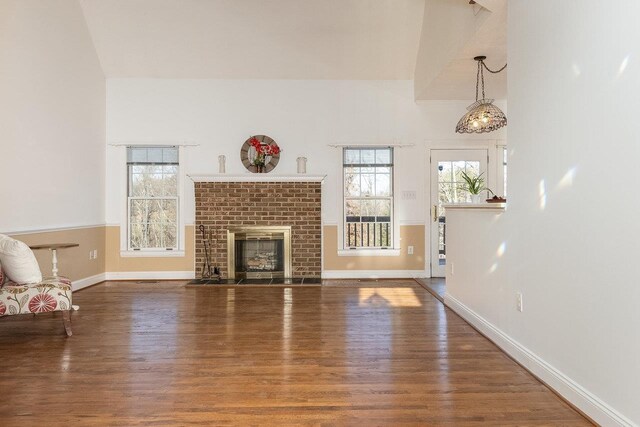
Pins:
x,y
304,117
447,27
571,230
52,115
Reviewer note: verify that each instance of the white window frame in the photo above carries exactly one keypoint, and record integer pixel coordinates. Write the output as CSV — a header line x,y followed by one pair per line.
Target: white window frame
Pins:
x,y
125,250
344,250
501,149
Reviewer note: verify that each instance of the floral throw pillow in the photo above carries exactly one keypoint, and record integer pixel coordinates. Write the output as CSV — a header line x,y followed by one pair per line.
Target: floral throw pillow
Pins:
x,y
1,276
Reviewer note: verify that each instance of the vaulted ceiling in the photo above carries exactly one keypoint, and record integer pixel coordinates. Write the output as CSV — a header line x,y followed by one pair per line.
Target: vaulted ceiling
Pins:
x,y
256,39
453,33
430,41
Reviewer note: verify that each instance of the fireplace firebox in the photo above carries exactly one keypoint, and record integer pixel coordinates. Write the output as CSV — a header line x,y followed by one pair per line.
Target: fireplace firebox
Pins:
x,y
259,252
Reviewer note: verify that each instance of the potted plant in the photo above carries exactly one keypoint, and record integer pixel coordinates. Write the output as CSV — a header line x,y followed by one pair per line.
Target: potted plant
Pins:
x,y
475,186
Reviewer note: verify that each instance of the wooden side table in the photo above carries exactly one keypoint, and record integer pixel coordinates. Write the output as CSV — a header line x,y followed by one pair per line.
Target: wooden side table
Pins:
x,y
53,247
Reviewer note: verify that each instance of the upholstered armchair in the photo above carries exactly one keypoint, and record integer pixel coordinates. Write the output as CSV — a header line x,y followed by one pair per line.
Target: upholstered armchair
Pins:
x,y
37,296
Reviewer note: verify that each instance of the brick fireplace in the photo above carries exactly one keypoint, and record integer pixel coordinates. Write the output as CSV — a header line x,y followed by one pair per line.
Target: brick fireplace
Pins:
x,y
223,204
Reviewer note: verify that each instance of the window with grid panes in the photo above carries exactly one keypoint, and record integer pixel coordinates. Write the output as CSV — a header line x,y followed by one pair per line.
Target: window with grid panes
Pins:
x,y
368,197
152,197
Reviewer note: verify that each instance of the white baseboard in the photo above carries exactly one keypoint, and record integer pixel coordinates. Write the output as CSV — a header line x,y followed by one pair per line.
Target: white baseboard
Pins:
x,y
150,275
373,274
584,400
182,275
131,275
76,285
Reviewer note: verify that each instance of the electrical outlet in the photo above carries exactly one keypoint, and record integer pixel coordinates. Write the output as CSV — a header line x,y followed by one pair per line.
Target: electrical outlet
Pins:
x,y
90,255
452,271
519,304
95,254
410,250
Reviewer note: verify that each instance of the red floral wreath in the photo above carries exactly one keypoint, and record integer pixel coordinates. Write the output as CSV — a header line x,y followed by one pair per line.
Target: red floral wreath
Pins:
x,y
264,149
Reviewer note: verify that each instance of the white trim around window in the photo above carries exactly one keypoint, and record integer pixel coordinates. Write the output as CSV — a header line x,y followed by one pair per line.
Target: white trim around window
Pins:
x,y
369,252
395,250
152,253
501,150
125,252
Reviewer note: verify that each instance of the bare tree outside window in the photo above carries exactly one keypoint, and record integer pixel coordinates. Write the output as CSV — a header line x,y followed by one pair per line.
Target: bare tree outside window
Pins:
x,y
368,197
153,197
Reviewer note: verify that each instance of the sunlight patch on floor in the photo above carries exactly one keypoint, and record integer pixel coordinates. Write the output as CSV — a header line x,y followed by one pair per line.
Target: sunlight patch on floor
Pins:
x,y
388,297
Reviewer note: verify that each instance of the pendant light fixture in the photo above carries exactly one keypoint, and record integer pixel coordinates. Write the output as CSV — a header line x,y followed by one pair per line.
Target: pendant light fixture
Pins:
x,y
482,116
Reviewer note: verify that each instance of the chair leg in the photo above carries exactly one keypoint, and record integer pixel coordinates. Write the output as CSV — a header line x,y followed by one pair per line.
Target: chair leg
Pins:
x,y
66,319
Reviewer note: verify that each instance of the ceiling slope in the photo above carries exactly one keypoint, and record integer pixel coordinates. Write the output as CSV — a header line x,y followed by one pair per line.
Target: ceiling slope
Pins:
x,y
453,33
256,39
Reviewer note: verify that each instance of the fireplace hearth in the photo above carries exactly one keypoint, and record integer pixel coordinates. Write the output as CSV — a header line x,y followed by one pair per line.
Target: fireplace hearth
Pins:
x,y
259,252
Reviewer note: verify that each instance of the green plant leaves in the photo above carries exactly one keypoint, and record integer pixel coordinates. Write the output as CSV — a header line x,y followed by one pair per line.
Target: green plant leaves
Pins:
x,y
474,185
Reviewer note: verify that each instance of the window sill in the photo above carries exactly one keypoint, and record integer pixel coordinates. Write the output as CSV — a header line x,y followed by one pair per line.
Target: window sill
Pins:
x,y
151,254
369,252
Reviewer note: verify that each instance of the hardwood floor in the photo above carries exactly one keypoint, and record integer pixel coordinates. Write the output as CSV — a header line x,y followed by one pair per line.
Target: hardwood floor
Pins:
x,y
383,353
436,286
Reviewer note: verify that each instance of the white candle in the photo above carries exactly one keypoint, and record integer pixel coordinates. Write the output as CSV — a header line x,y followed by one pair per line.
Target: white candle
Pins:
x,y
222,168
302,164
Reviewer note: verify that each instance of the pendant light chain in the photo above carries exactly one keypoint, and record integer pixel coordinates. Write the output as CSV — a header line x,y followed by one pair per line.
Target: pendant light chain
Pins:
x,y
480,75
479,78
482,79
482,115
492,71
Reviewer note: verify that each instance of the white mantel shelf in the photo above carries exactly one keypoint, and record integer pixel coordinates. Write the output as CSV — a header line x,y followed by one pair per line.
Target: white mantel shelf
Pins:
x,y
477,206
256,177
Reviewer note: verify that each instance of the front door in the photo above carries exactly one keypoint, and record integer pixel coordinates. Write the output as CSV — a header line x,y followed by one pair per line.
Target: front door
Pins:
x,y
447,187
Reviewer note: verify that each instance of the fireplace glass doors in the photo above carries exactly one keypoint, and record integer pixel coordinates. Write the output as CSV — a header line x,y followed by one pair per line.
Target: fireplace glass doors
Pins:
x,y
259,252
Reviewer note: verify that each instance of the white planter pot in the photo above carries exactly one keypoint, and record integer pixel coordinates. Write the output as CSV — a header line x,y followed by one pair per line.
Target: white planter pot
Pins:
x,y
477,198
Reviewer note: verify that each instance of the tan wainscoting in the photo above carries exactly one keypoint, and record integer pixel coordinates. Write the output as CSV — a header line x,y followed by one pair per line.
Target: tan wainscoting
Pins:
x,y
410,235
73,263
116,263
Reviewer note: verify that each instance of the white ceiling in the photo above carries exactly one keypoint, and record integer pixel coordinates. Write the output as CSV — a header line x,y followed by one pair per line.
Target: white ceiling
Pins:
x,y
466,31
256,39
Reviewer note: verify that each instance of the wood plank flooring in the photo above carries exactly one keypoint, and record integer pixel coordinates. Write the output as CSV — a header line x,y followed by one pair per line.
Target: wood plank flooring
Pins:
x,y
355,353
436,286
